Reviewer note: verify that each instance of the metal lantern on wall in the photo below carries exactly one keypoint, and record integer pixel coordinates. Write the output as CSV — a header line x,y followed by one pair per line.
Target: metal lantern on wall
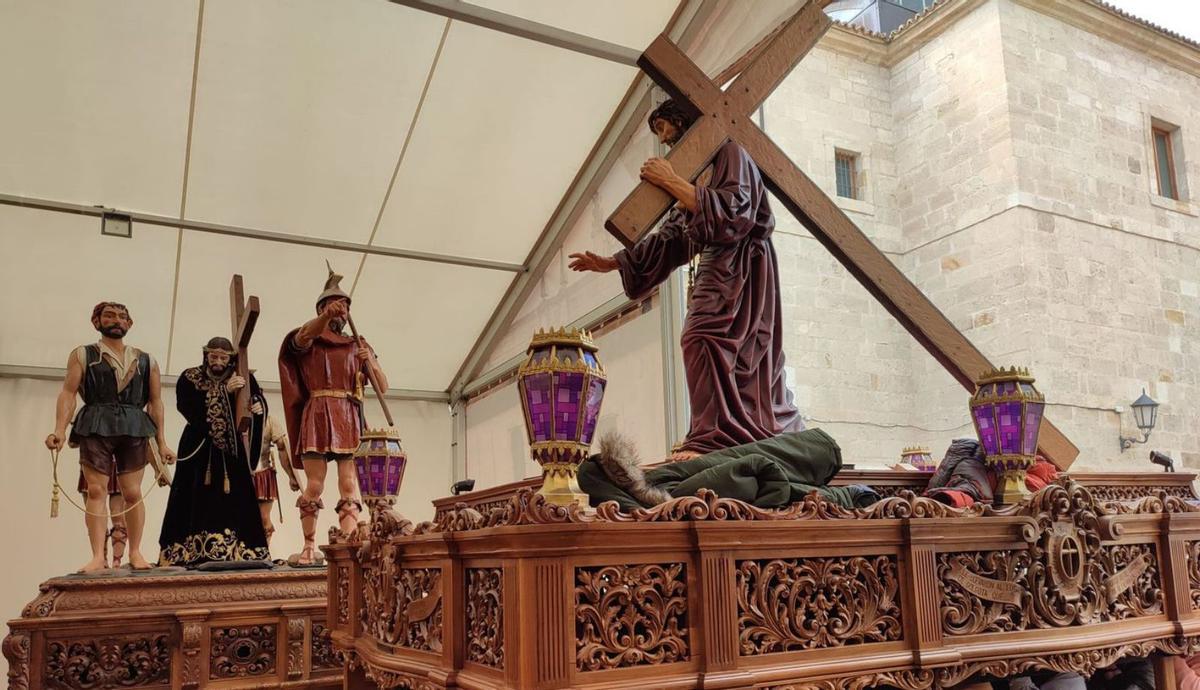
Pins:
x,y
919,457
1007,412
380,462
562,385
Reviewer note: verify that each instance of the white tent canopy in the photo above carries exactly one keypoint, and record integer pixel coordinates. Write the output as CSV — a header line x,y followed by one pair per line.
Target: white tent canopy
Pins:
x,y
400,131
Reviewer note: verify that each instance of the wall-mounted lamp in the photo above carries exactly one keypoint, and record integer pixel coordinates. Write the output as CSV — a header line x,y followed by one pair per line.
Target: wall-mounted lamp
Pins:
x,y
462,486
1145,414
116,224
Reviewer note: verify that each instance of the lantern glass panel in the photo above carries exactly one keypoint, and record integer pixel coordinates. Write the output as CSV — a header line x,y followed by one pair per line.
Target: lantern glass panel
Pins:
x,y
986,428
1144,416
1033,423
590,359
538,399
568,394
540,356
592,409
1008,418
395,470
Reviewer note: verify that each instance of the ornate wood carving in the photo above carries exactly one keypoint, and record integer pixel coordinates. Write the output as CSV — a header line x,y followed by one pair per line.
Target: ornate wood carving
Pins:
x,y
403,605
1065,577
343,595
239,651
630,615
1084,662
134,660
1127,492
190,637
811,603
1193,572
43,605
323,653
182,591
16,651
485,616
295,652
398,680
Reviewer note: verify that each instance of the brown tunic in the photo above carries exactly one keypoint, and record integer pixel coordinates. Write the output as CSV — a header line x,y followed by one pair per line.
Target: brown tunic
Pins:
x,y
322,388
732,337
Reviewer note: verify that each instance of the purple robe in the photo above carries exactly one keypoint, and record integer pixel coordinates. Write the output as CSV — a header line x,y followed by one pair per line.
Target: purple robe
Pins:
x,y
732,338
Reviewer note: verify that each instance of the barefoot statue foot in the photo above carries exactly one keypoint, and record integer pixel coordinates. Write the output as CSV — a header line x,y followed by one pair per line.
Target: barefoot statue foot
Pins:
x,y
96,564
138,562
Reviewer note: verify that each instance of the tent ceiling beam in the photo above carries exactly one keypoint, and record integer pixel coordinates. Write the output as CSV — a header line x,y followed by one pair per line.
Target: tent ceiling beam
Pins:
x,y
12,371
256,234
524,28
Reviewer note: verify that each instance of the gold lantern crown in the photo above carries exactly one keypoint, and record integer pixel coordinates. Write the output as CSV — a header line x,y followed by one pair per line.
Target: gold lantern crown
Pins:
x,y
563,336
914,450
1012,373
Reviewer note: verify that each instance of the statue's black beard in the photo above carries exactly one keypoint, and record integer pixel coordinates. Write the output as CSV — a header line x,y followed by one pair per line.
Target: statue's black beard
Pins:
x,y
115,332
217,372
337,325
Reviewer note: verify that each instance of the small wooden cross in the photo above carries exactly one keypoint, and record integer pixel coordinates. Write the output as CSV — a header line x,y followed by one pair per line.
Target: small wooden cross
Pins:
x,y
726,115
243,314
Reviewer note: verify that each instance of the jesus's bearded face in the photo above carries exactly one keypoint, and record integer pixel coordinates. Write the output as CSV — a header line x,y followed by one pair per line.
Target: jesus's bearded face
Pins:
x,y
666,131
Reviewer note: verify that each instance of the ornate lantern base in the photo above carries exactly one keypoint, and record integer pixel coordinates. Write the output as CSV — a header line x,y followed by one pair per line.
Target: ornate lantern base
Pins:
x,y
1011,470
560,484
560,472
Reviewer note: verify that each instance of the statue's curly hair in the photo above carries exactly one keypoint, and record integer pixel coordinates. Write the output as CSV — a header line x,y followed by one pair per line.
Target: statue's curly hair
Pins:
x,y
96,310
674,113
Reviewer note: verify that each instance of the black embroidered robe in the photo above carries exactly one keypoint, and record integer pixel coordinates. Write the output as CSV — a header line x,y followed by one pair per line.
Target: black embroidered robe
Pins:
x,y
209,518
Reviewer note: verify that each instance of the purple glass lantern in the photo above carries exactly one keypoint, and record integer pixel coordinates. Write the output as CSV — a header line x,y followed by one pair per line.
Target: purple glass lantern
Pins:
x,y
1007,412
380,463
562,386
919,457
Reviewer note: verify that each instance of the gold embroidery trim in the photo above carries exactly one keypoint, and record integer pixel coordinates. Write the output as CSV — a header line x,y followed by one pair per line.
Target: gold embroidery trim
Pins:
x,y
212,546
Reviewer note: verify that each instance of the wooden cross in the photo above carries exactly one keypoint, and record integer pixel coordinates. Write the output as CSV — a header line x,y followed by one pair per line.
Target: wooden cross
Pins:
x,y
726,115
243,314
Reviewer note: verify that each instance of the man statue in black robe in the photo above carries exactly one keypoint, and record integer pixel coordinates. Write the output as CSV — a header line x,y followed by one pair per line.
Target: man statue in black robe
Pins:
x,y
733,335
212,514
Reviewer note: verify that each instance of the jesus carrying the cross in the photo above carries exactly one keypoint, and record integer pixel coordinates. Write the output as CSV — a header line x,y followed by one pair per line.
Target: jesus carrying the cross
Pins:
x,y
732,339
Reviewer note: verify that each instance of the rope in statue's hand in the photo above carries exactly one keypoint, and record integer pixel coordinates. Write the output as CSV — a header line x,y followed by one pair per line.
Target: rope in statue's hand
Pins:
x,y
57,488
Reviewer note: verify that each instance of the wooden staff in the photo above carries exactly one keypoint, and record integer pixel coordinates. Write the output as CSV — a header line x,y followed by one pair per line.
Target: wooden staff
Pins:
x,y
371,375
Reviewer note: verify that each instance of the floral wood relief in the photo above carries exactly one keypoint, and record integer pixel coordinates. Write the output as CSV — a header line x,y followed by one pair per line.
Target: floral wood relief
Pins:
x,y
113,661
485,616
812,603
323,653
240,651
403,606
1193,572
630,615
343,595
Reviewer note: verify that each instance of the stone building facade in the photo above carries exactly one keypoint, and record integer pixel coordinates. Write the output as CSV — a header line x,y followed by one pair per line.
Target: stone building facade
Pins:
x,y
1005,162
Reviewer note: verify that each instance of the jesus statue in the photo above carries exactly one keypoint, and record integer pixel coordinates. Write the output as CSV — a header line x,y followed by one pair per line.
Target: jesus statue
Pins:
x,y
732,339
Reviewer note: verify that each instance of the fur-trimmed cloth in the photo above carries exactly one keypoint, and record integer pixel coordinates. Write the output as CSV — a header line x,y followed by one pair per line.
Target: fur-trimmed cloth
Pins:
x,y
619,459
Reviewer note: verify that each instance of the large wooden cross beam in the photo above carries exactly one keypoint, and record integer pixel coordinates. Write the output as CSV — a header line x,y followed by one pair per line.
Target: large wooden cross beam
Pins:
x,y
726,115
243,314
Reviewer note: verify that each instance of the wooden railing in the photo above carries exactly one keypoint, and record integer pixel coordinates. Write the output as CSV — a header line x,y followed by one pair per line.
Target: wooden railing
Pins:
x,y
703,592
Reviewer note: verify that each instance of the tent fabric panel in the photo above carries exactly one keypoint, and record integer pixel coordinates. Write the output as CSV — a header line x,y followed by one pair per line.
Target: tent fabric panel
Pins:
x,y
96,101
301,112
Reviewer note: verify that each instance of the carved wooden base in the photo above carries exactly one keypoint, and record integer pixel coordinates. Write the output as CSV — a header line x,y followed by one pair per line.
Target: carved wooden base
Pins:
x,y
171,629
704,592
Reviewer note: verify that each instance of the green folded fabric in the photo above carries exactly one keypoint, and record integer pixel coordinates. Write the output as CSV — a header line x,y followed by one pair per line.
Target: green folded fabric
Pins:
x,y
768,474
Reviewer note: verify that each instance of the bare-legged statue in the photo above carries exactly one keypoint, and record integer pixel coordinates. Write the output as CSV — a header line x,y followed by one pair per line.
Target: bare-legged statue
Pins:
x,y
122,395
